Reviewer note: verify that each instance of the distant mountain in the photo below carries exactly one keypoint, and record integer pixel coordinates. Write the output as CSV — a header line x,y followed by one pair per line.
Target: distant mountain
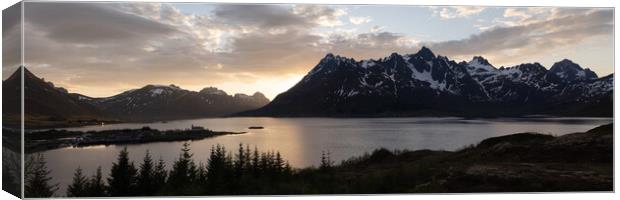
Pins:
x,y
42,101
426,84
172,102
45,103
566,71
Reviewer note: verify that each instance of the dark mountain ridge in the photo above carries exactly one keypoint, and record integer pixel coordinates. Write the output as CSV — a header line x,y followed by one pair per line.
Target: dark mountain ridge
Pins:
x,y
42,101
47,105
172,102
423,84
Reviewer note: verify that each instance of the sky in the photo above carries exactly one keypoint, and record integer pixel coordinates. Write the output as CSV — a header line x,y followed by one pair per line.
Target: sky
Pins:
x,y
102,49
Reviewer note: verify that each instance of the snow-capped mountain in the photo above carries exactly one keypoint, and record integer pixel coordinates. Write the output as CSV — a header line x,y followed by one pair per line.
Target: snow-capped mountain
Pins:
x,y
567,71
427,84
172,102
152,102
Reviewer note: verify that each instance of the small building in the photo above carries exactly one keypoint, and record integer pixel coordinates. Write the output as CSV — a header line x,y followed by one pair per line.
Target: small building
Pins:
x,y
196,128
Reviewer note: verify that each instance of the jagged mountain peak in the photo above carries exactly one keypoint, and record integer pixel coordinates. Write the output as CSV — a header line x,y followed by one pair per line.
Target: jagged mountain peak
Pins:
x,y
394,55
531,67
481,60
329,64
329,57
415,82
479,65
568,71
425,53
16,76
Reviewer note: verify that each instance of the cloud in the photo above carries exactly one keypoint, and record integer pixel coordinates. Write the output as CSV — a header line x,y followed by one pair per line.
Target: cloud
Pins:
x,y
321,15
265,16
452,12
375,29
528,37
11,40
359,20
157,44
94,42
88,25
152,43
368,44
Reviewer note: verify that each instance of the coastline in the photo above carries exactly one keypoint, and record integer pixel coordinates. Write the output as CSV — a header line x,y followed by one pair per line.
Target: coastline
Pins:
x,y
518,162
54,139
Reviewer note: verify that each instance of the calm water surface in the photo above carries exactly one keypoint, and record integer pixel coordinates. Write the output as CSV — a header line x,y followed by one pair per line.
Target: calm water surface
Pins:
x,y
302,140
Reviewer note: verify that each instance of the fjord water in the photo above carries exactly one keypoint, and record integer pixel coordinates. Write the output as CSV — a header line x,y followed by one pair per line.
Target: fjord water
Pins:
x,y
302,140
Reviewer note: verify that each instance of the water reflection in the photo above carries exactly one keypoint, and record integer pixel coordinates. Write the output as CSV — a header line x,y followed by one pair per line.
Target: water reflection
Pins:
x,y
301,140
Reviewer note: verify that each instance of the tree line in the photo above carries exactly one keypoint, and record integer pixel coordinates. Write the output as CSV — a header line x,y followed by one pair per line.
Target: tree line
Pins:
x,y
245,171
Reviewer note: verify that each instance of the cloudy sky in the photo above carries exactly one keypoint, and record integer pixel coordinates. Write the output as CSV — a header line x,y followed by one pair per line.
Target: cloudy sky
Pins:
x,y
102,49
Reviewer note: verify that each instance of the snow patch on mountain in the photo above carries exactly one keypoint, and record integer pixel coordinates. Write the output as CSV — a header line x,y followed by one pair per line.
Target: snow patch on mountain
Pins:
x,y
479,65
427,76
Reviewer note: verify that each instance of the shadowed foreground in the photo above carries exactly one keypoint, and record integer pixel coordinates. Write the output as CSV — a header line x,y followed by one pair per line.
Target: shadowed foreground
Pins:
x,y
523,162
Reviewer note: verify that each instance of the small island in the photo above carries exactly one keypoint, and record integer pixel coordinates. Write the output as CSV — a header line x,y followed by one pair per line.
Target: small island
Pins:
x,y
53,139
256,127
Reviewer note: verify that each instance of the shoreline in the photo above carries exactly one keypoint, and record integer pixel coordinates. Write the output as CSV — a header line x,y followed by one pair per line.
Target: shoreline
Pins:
x,y
529,117
55,139
518,162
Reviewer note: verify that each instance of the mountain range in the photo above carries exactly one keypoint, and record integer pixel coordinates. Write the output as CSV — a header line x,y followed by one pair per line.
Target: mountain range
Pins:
x,y
425,84
420,84
46,103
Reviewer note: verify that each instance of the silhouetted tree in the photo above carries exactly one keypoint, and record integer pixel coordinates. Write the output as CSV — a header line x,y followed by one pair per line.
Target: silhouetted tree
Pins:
x,y
37,180
160,175
145,179
255,162
122,180
183,173
326,162
79,184
279,163
243,172
201,178
248,157
96,187
240,161
218,170
288,170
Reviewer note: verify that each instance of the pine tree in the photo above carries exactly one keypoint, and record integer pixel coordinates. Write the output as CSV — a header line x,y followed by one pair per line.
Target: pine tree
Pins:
x,y
201,178
79,185
183,173
239,161
247,158
279,162
287,170
122,180
159,176
218,170
145,179
326,162
255,162
36,183
96,187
